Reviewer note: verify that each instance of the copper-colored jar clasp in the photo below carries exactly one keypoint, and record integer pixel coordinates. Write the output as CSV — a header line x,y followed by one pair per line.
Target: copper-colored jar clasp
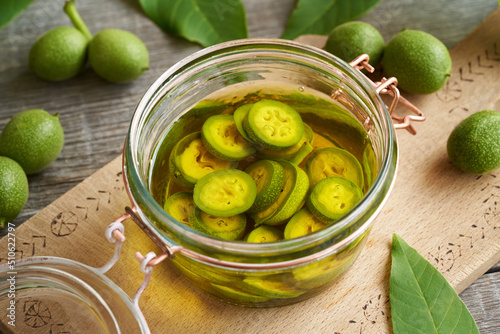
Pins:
x,y
389,87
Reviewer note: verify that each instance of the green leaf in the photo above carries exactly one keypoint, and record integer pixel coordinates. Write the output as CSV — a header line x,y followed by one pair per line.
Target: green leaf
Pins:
x,y
206,22
9,9
422,301
319,17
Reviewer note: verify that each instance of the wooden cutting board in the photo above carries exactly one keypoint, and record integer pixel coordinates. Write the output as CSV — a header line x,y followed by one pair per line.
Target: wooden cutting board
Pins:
x,y
451,218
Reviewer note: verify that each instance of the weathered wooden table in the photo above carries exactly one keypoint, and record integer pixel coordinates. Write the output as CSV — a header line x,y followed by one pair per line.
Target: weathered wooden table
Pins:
x,y
95,114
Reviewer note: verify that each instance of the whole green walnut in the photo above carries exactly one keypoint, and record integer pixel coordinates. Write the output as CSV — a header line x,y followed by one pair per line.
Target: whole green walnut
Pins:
x,y
118,55
420,62
59,54
33,138
351,39
13,190
474,144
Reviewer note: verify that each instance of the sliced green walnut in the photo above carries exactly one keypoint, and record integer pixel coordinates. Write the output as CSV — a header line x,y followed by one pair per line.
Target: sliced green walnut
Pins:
x,y
333,161
332,198
221,137
295,153
194,278
264,233
190,161
273,125
227,228
319,273
239,295
268,176
301,154
292,196
320,141
239,115
197,273
266,287
225,192
302,223
180,205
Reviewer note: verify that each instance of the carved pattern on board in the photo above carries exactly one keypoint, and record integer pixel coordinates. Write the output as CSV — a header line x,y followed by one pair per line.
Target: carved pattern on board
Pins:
x,y
27,248
374,312
102,198
492,214
486,227
473,70
36,314
478,64
119,185
65,223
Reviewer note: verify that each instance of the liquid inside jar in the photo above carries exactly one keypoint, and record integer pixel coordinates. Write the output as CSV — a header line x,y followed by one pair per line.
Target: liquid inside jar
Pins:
x,y
335,124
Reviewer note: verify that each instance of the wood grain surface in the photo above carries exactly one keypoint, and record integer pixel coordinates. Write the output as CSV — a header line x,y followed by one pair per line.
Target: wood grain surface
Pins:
x,y
95,114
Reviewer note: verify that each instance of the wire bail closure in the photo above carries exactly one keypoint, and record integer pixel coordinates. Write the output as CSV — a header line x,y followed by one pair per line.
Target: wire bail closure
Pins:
x,y
115,233
389,87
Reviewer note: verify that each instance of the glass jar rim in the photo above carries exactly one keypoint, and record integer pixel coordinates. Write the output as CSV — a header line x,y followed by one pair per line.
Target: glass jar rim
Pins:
x,y
146,200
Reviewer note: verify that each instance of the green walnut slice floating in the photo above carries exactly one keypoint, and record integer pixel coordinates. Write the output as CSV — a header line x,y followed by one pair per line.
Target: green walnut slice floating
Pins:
x,y
221,137
180,205
302,223
227,228
240,296
225,192
332,198
190,161
332,161
239,115
292,196
318,273
273,125
265,233
320,141
295,153
202,275
270,288
306,146
268,176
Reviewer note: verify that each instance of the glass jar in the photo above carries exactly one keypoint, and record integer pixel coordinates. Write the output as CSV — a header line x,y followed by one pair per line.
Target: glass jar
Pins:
x,y
56,295
258,274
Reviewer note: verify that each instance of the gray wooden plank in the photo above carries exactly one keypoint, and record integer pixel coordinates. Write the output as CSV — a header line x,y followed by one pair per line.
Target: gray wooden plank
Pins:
x,y
449,21
483,301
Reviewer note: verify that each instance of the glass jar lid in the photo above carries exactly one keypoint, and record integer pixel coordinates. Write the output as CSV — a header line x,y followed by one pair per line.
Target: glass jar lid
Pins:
x,y
57,295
